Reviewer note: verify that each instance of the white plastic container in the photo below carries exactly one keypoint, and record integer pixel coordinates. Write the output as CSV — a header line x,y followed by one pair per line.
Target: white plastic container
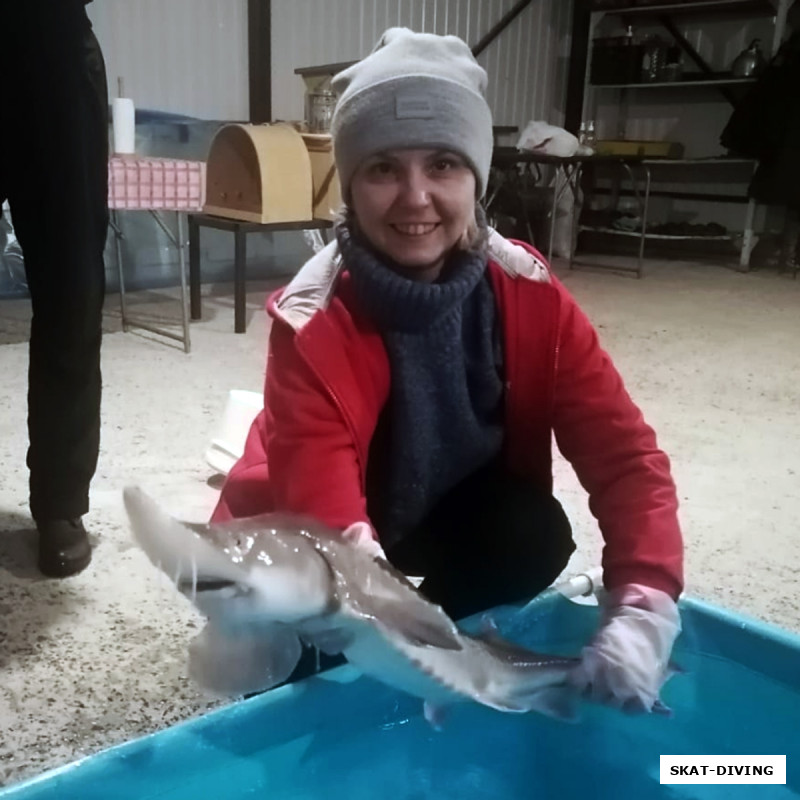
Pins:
x,y
228,445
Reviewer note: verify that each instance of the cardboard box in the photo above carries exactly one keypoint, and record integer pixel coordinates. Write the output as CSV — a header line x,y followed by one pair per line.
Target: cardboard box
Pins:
x,y
327,194
638,147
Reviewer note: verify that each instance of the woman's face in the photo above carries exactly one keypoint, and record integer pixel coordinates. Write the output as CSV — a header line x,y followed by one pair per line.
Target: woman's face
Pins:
x,y
414,206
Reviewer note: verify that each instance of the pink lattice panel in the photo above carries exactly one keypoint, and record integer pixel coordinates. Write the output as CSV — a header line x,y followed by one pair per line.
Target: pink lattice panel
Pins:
x,y
156,183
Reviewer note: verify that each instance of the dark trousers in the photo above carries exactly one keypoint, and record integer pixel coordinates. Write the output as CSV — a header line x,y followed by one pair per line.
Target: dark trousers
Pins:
x,y
54,172
493,539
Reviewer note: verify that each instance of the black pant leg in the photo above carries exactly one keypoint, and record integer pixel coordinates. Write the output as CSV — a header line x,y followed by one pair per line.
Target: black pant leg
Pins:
x,y
55,174
493,539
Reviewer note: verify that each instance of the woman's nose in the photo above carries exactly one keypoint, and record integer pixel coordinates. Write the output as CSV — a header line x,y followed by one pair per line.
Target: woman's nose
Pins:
x,y
414,189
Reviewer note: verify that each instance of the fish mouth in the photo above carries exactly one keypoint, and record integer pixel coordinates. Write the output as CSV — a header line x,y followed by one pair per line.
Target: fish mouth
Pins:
x,y
204,584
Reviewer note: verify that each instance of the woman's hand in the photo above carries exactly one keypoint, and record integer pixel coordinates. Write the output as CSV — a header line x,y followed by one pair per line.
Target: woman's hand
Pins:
x,y
627,662
362,536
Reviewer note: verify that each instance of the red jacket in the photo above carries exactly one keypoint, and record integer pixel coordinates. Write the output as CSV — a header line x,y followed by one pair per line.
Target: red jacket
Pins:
x,y
328,379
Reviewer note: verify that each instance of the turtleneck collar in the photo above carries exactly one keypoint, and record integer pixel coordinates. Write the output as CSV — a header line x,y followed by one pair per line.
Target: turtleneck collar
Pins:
x,y
396,302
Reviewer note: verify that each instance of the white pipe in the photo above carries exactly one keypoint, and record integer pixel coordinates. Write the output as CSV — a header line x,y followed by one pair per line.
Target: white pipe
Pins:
x,y
584,584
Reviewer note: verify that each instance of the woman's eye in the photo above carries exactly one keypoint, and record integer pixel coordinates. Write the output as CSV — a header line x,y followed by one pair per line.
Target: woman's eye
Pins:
x,y
445,164
381,169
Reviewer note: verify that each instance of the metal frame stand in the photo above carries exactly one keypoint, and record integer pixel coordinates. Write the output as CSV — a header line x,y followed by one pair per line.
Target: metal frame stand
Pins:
x,y
179,241
570,173
516,180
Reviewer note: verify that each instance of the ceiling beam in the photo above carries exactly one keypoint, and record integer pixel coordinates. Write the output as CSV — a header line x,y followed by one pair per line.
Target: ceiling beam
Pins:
x,y
259,59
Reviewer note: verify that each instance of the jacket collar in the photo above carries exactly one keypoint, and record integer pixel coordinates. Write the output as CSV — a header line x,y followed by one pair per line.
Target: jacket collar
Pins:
x,y
314,285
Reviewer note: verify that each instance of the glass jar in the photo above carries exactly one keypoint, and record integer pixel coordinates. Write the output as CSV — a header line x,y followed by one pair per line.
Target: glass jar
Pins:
x,y
319,110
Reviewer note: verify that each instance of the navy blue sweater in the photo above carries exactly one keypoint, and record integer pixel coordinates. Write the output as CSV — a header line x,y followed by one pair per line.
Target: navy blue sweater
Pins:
x,y
443,419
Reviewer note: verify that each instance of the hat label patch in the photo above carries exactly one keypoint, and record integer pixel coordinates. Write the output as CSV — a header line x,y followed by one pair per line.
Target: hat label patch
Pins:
x,y
413,106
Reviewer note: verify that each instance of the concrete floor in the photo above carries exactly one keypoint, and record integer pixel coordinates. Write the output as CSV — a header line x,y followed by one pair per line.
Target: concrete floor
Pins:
x,y
711,355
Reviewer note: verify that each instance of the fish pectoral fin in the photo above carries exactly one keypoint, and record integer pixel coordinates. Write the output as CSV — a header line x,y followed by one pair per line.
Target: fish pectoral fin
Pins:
x,y
231,663
434,715
418,625
661,709
331,641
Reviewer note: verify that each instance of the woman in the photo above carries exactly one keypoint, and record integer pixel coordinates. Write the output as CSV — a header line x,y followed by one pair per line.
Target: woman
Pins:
x,y
419,365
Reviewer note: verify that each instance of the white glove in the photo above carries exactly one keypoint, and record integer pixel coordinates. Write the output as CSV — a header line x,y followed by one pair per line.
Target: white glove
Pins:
x,y
361,535
627,662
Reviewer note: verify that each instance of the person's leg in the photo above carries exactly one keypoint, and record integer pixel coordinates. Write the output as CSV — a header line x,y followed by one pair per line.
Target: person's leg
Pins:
x,y
58,198
790,240
493,539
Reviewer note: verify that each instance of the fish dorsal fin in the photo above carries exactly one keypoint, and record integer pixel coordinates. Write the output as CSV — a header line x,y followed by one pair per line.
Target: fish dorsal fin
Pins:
x,y
489,634
510,651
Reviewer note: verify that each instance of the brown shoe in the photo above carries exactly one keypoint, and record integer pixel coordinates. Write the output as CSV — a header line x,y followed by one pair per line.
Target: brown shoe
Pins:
x,y
64,547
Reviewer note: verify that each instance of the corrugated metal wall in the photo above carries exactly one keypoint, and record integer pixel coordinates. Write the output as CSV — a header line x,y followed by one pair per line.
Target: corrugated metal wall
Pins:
x,y
526,63
190,56
184,56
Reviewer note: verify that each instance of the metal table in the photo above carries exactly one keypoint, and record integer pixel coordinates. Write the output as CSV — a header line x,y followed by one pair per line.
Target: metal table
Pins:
x,y
568,174
239,229
155,185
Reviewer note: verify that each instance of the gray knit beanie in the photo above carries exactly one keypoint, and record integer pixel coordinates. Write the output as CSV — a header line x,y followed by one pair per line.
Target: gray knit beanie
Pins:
x,y
413,90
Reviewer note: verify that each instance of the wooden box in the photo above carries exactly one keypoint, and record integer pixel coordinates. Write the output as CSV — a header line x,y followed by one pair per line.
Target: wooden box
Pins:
x,y
259,173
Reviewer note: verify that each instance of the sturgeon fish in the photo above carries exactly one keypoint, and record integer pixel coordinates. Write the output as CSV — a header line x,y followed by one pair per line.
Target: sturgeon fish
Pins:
x,y
270,582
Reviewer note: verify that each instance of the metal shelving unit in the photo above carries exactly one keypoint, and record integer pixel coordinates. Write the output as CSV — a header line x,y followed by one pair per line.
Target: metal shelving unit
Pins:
x,y
666,237
651,167
665,14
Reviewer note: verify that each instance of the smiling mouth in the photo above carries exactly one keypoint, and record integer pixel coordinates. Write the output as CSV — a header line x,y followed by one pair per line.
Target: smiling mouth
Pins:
x,y
415,228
